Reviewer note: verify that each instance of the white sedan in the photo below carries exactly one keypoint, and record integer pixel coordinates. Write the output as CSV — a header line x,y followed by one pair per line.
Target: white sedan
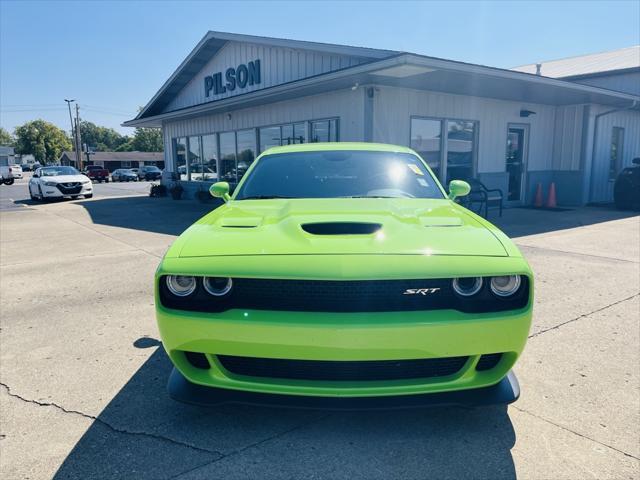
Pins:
x,y
58,182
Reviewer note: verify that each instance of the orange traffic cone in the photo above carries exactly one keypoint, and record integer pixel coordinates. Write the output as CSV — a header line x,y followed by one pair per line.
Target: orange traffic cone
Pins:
x,y
538,200
551,201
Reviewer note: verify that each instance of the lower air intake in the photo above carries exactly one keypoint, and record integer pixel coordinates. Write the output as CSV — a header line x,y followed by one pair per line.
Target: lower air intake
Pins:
x,y
342,370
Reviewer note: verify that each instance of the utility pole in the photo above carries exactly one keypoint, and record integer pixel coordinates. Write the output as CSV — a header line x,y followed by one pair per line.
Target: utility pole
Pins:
x,y
78,137
73,131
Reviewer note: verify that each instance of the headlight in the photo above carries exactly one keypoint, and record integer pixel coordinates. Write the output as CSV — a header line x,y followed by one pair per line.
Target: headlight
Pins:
x,y
181,285
217,286
506,285
50,184
467,287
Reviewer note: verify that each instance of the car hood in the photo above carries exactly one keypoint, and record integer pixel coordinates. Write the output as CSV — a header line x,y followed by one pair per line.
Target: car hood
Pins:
x,y
281,227
65,178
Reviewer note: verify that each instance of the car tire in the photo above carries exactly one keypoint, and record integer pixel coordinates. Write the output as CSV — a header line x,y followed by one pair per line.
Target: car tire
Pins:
x,y
42,197
9,181
89,195
74,197
106,180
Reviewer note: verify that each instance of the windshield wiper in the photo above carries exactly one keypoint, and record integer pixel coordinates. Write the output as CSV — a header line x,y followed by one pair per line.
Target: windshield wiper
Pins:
x,y
263,197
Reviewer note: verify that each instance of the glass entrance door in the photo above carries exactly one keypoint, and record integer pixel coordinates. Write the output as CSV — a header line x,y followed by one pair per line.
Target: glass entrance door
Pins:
x,y
516,160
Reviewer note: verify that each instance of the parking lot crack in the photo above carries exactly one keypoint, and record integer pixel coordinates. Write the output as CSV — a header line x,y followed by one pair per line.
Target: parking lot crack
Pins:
x,y
626,454
584,315
108,425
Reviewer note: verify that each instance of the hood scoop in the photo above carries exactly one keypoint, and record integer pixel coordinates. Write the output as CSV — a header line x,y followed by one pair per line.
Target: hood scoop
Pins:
x,y
341,228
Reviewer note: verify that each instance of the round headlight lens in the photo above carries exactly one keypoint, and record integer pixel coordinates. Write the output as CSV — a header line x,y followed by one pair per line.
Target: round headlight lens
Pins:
x,y
181,285
217,286
467,287
506,285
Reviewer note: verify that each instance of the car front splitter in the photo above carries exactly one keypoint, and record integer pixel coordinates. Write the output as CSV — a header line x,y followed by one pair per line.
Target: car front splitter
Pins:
x,y
504,392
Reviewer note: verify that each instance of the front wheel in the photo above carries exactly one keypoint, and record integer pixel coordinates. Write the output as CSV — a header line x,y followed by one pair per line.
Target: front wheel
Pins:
x,y
9,181
89,195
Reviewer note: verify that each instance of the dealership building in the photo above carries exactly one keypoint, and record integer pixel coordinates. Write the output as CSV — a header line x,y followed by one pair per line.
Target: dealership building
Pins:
x,y
574,122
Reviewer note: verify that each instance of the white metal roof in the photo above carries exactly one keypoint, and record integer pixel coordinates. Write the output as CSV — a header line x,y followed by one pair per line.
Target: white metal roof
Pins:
x,y
621,59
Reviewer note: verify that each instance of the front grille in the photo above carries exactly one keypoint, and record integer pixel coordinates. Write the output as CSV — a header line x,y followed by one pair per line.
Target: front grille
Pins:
x,y
342,370
343,296
69,188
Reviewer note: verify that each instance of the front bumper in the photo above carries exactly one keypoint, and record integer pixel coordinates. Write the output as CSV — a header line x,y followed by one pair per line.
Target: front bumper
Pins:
x,y
348,337
344,337
55,192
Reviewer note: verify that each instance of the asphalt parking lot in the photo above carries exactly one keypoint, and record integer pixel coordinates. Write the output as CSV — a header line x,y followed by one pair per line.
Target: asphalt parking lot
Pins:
x,y
83,374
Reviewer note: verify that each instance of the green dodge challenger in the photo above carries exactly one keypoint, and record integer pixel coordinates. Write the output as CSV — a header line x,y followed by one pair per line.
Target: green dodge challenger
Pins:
x,y
344,270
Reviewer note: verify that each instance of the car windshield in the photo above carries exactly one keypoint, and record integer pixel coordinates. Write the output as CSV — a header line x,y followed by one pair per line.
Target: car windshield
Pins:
x,y
339,174
151,169
55,171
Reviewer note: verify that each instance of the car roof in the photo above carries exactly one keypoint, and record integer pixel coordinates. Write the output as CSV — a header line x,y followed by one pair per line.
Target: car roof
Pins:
x,y
328,146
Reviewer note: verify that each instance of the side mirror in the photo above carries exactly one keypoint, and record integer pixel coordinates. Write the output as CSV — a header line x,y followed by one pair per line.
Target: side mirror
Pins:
x,y
220,190
458,188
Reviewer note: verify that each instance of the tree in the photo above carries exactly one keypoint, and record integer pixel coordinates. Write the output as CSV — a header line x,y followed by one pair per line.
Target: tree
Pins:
x,y
6,139
103,139
42,139
147,140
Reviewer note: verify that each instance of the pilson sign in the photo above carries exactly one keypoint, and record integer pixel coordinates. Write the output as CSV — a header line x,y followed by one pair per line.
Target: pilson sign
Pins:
x,y
243,76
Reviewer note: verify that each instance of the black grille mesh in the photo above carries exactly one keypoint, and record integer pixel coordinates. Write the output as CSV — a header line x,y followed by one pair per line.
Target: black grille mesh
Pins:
x,y
342,370
343,296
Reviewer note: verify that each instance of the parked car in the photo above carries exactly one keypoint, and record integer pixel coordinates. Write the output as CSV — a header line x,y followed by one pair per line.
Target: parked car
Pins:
x,y
16,170
6,176
135,170
26,167
97,173
344,270
124,175
59,182
149,172
626,190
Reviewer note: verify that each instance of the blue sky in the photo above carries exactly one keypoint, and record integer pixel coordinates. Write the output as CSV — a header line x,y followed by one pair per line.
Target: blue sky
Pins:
x,y
112,56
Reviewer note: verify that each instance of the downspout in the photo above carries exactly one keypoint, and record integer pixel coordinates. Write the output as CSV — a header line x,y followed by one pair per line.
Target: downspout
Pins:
x,y
595,136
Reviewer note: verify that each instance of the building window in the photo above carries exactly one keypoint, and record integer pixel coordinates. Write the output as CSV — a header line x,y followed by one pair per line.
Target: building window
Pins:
x,y
294,134
194,166
246,141
269,137
228,157
324,131
125,164
180,149
426,139
209,157
461,137
452,157
615,156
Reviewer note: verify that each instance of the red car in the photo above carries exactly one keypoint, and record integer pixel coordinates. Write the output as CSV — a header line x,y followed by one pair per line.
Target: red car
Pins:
x,y
97,173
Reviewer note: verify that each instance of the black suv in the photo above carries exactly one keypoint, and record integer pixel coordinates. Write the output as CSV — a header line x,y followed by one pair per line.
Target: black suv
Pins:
x,y
149,172
626,191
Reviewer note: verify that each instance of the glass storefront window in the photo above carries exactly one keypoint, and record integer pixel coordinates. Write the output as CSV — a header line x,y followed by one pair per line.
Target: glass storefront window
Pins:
x,y
228,158
246,140
269,137
324,131
194,170
209,158
180,149
299,132
426,139
460,149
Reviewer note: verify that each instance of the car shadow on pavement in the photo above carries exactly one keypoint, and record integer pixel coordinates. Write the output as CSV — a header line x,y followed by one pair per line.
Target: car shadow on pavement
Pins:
x,y
143,434
159,215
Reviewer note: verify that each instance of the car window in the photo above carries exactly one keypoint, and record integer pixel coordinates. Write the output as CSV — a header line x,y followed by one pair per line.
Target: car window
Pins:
x,y
55,171
340,173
